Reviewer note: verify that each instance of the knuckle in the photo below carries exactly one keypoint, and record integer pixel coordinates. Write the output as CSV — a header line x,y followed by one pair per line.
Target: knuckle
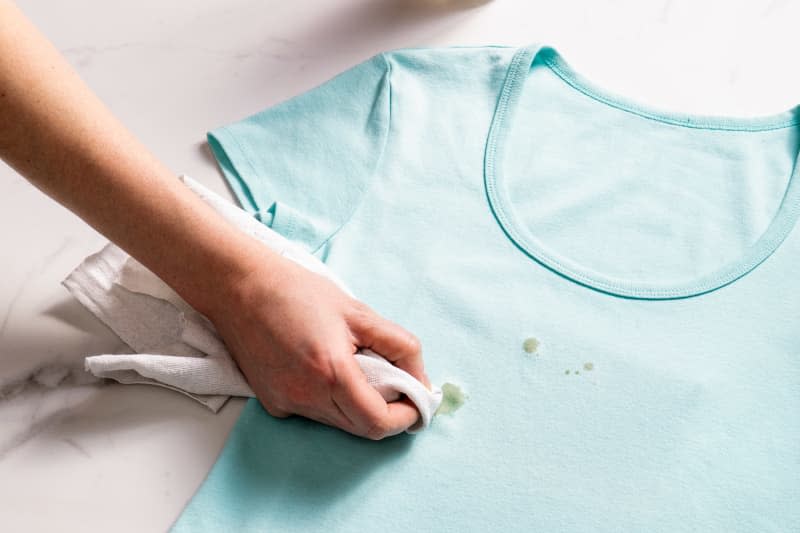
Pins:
x,y
358,307
321,368
361,316
328,377
414,344
317,353
312,361
328,374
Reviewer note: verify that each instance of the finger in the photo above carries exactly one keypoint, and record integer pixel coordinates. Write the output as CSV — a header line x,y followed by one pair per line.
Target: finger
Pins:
x,y
331,418
274,411
403,410
371,416
393,342
326,413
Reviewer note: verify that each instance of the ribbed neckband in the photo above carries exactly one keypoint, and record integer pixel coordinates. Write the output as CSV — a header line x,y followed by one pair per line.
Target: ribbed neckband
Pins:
x,y
502,207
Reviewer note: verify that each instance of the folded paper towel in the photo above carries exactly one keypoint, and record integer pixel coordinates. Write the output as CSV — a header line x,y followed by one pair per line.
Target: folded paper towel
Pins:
x,y
178,348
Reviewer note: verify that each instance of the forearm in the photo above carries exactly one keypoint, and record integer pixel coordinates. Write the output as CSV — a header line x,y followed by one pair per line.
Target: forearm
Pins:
x,y
58,135
292,332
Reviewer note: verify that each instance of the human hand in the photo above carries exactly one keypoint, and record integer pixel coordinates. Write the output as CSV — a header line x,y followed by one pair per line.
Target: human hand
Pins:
x,y
294,333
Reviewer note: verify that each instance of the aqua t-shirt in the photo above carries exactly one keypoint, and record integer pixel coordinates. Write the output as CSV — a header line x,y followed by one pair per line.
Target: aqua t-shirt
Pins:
x,y
615,287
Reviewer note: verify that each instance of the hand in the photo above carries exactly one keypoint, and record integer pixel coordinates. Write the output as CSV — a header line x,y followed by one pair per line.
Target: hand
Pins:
x,y
294,333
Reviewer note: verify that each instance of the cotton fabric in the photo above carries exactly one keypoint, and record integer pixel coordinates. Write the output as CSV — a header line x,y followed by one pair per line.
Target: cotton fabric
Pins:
x,y
484,196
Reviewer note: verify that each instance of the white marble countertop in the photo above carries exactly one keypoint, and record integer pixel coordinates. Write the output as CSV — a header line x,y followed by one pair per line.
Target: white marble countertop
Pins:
x,y
77,454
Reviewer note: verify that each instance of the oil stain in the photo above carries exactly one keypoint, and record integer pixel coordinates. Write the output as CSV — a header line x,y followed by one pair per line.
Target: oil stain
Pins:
x,y
588,366
452,399
531,345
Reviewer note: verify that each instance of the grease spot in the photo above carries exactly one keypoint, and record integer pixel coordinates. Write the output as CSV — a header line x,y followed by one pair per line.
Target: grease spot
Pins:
x,y
452,399
566,371
531,345
588,366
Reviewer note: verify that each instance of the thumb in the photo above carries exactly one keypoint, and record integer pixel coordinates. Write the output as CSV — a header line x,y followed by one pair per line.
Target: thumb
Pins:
x,y
393,342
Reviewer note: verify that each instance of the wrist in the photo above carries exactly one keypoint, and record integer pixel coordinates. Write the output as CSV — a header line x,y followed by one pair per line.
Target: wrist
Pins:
x,y
230,272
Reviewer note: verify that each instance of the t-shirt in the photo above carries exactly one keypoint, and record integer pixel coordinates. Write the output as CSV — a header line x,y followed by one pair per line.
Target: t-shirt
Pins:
x,y
615,289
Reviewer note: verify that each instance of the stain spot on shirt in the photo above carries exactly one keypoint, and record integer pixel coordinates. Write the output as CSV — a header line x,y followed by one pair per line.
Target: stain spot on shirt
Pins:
x,y
452,399
588,366
531,345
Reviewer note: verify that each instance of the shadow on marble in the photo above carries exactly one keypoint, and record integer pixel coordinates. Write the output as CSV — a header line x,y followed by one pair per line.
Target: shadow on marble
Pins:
x,y
205,152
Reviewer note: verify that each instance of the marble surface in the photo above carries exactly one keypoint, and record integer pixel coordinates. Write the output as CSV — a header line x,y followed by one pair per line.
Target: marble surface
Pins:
x,y
80,454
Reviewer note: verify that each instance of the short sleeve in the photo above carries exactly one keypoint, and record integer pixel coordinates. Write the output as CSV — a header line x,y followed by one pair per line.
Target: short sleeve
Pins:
x,y
303,166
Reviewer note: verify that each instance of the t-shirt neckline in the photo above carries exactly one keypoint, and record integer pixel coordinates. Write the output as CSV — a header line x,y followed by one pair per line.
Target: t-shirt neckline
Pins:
x,y
518,70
